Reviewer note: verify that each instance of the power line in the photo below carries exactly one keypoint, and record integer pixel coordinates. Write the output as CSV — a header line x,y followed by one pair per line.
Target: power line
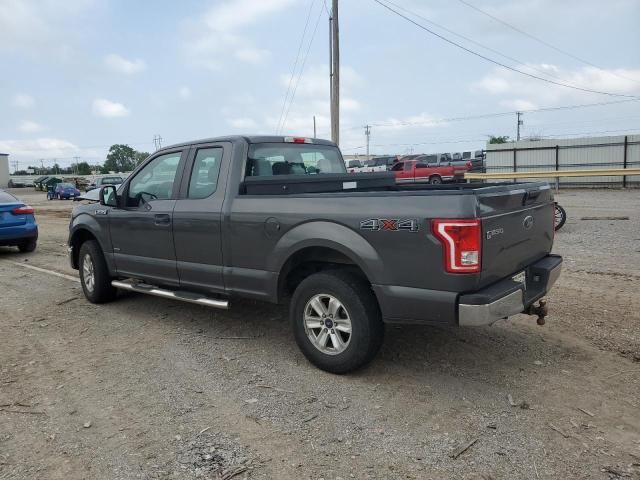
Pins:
x,y
490,115
295,64
304,62
488,59
543,42
448,30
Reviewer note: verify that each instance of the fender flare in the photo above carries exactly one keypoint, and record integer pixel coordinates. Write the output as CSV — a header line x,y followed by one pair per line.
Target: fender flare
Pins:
x,y
332,235
89,224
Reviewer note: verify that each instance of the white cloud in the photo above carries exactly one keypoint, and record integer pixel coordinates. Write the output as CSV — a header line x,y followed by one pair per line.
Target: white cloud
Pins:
x,y
221,33
108,109
518,104
27,126
184,92
46,148
41,28
122,65
22,100
242,122
521,92
422,120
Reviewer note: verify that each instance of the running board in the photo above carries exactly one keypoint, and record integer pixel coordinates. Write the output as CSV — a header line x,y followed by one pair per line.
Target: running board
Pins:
x,y
175,295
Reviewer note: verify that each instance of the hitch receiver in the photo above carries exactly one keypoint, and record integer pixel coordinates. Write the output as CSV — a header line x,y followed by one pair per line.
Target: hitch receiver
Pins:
x,y
541,311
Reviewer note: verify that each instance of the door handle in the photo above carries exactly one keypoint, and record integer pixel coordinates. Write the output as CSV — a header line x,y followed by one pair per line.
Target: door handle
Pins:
x,y
162,219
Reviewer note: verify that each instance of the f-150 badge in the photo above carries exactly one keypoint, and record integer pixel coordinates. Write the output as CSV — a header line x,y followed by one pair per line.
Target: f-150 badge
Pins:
x,y
390,224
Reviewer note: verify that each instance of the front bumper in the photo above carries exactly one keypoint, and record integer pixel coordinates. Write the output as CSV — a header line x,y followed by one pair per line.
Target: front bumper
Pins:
x,y
509,297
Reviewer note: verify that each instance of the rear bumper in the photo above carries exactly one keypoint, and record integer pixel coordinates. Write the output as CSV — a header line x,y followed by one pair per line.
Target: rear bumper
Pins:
x,y
13,235
509,297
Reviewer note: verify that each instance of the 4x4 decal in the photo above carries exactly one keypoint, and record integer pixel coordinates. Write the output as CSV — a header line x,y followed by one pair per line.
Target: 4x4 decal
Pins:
x,y
390,224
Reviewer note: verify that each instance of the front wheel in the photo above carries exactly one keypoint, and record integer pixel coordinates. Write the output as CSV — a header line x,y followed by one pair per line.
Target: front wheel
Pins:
x,y
336,321
435,180
94,274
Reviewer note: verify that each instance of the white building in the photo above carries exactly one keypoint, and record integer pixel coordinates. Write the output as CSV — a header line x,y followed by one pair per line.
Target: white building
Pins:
x,y
589,153
4,170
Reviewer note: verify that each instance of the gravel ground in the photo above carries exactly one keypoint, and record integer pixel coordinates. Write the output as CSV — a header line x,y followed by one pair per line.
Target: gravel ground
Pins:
x,y
148,388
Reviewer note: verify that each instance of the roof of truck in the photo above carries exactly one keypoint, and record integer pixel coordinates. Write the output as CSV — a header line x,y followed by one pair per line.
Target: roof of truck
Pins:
x,y
248,139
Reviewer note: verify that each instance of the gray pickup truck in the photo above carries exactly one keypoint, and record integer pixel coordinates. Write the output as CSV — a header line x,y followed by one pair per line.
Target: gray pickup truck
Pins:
x,y
278,219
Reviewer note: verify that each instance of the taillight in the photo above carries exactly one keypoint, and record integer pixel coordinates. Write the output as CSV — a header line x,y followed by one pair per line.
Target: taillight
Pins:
x,y
462,241
297,140
24,210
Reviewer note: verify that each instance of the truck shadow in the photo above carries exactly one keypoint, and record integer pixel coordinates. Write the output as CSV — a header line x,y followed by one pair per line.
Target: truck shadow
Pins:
x,y
410,354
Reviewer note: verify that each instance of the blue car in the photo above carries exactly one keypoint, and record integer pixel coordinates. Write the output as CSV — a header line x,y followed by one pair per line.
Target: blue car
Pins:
x,y
66,191
18,226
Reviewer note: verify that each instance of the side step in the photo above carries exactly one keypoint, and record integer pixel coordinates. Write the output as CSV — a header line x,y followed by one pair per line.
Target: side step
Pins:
x,y
175,295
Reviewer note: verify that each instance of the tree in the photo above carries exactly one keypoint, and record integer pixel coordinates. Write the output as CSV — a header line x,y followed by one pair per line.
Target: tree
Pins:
x,y
121,158
141,156
83,168
498,139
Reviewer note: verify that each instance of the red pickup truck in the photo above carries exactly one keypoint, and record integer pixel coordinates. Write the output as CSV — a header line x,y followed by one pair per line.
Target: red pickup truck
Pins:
x,y
419,171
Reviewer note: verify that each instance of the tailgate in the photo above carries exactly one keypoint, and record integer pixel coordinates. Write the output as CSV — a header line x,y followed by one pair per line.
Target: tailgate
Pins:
x,y
8,219
517,229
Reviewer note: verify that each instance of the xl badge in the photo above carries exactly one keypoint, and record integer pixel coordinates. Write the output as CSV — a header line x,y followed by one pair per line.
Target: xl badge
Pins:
x,y
390,224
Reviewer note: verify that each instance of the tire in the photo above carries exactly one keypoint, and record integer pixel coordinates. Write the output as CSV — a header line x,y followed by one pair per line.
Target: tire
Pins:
x,y
94,274
559,216
362,330
28,245
435,180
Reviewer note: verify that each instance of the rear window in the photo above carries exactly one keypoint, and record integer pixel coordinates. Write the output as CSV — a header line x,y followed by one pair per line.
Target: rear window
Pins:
x,y
66,185
267,159
7,197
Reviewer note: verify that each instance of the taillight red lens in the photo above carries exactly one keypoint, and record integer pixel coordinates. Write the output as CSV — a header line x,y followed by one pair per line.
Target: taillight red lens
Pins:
x,y
25,210
462,243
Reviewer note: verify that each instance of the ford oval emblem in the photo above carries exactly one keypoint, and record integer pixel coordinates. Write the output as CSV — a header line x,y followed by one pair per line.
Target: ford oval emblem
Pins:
x,y
528,222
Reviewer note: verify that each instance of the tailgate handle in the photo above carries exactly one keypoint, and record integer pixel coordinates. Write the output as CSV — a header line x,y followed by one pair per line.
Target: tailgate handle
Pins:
x,y
530,196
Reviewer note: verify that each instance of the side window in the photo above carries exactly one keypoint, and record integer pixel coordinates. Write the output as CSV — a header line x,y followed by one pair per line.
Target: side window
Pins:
x,y
397,167
407,166
204,175
155,181
421,165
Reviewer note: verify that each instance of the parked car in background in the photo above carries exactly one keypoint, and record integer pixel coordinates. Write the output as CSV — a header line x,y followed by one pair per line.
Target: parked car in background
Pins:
x,y
379,164
102,181
17,223
419,171
354,166
65,191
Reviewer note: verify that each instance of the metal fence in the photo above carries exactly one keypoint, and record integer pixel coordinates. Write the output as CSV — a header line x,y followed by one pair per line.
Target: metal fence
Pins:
x,y
568,154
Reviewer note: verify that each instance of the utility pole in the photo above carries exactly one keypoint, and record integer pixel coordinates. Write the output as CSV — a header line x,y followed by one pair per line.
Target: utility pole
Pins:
x,y
42,165
520,122
334,46
367,132
75,165
157,142
314,127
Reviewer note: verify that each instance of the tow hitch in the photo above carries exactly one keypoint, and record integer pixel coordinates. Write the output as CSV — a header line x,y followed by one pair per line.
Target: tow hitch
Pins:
x,y
541,311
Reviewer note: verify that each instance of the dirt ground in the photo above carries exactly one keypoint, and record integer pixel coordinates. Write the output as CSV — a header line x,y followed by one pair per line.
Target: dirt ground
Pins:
x,y
152,389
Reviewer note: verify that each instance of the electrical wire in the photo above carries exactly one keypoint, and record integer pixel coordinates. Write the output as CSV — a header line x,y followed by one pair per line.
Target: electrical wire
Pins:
x,y
484,57
543,42
304,62
295,65
459,35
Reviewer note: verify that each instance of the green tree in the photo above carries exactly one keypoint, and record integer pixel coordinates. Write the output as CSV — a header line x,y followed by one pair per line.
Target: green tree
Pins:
x,y
140,157
121,158
83,168
498,139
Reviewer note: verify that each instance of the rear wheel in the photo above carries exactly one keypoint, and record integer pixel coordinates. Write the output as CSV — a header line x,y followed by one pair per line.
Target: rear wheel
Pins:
x,y
336,321
94,274
28,245
435,180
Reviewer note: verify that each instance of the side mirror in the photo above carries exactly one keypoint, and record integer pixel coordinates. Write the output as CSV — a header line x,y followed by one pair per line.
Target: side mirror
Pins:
x,y
108,196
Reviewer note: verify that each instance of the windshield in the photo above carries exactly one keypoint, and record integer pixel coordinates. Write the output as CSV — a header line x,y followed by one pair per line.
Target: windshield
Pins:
x,y
267,159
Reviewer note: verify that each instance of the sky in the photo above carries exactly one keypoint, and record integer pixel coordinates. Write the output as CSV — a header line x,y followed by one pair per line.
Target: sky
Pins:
x,y
81,75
